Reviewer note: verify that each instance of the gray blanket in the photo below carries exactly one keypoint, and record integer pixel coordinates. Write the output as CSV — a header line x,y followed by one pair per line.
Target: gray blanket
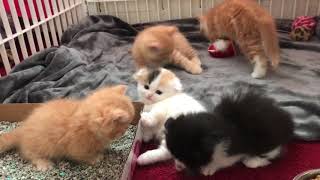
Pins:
x,y
95,53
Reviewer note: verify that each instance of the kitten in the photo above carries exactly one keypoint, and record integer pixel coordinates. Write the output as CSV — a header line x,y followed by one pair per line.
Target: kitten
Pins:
x,y
161,92
160,45
246,126
250,26
74,129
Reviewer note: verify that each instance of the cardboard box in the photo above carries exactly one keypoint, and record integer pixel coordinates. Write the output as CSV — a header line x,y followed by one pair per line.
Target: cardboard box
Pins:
x,y
16,112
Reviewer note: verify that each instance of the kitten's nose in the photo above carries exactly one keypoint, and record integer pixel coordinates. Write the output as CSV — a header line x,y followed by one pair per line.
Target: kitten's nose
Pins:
x,y
149,96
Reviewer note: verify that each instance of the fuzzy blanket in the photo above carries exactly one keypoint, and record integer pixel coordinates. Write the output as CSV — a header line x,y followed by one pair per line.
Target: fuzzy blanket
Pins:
x,y
95,53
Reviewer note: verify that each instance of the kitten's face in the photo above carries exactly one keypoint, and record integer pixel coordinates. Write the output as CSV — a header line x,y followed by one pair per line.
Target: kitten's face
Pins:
x,y
110,111
203,26
189,141
156,85
158,43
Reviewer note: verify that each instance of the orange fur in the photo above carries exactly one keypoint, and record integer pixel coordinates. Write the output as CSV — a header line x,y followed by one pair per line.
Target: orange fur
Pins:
x,y
160,45
75,129
251,26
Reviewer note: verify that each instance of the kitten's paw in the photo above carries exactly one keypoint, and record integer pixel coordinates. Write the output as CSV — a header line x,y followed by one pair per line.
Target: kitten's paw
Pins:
x,y
96,159
146,119
179,166
196,60
258,74
43,164
255,162
208,170
143,159
196,69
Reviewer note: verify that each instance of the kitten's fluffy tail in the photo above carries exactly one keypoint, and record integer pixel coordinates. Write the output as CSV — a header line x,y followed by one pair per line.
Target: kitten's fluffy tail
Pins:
x,y
8,141
270,40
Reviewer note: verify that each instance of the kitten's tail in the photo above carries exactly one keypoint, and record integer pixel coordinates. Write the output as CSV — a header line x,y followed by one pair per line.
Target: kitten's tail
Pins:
x,y
9,140
270,40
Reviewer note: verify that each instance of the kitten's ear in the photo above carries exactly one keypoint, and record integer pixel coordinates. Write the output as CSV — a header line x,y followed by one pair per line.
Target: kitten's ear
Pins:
x,y
120,116
172,29
140,74
154,46
177,85
120,89
201,18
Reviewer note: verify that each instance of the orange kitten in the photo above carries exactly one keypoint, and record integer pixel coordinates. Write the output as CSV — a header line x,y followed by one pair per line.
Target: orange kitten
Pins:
x,y
74,129
245,22
160,45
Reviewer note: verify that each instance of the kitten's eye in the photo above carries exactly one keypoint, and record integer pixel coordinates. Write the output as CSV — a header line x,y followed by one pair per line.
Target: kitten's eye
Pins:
x,y
146,86
158,92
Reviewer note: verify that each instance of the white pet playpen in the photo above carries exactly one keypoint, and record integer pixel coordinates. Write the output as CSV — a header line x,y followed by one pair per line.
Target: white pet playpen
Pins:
x,y
39,24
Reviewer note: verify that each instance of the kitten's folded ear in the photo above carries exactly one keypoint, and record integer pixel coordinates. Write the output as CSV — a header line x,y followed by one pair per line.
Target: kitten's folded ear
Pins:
x,y
120,116
140,74
155,47
120,89
172,29
177,85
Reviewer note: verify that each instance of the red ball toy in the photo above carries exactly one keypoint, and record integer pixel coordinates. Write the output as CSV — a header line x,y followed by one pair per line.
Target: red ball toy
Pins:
x,y
222,49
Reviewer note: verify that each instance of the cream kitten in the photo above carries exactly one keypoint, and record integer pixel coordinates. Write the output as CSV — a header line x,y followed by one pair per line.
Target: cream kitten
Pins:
x,y
250,26
161,91
74,129
160,45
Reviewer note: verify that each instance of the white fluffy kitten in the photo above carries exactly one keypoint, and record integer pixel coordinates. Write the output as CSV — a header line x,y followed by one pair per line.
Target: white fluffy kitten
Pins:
x,y
161,92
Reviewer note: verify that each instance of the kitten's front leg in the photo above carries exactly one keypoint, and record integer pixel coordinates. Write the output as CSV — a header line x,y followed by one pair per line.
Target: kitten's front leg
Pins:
x,y
209,169
179,165
153,156
42,164
148,120
190,66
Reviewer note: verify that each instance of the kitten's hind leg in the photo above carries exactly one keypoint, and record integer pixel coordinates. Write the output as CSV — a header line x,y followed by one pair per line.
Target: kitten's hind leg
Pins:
x,y
182,61
153,156
255,162
260,66
42,164
263,160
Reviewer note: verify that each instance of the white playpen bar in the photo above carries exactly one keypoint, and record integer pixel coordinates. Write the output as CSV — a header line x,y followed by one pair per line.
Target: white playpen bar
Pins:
x,y
140,11
42,31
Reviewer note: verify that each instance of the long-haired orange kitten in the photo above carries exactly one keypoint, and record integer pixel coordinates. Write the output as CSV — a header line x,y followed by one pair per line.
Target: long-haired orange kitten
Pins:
x,y
73,129
162,44
251,26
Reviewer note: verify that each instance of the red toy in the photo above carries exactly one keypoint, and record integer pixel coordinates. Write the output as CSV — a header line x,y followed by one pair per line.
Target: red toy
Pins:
x,y
222,49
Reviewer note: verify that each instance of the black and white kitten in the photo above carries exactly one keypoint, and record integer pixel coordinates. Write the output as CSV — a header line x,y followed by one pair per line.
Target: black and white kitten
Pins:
x,y
245,127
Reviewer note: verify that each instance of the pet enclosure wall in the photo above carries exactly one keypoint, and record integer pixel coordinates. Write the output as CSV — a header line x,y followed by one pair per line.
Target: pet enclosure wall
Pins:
x,y
39,24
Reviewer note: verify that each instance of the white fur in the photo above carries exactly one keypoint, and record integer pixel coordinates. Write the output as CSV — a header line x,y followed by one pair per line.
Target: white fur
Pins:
x,y
173,87
152,123
220,159
221,44
170,104
256,161
155,155
259,71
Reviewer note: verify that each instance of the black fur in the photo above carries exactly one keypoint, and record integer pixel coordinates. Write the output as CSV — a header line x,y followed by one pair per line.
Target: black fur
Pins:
x,y
153,75
250,122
